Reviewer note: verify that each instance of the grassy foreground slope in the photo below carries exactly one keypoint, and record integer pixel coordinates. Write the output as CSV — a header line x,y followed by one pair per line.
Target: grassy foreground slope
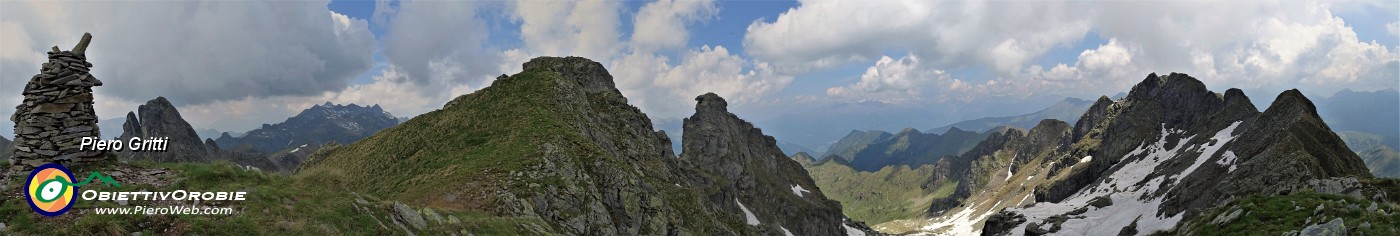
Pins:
x,y
277,204
891,193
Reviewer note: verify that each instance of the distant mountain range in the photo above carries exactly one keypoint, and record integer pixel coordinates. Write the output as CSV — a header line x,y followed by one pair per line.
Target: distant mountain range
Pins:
x,y
913,149
158,118
1375,112
1067,110
318,124
854,142
214,133
1367,121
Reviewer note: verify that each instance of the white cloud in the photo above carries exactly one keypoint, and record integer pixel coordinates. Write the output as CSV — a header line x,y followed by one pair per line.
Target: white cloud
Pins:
x,y
389,89
568,28
1393,28
1269,46
665,90
661,24
1004,35
661,87
893,81
190,52
437,44
193,52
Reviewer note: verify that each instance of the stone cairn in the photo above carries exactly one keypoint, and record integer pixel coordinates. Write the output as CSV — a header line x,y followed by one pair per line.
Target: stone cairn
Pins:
x,y
56,113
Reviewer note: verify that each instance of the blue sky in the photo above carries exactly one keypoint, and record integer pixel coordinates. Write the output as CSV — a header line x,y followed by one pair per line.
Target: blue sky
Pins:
x,y
832,65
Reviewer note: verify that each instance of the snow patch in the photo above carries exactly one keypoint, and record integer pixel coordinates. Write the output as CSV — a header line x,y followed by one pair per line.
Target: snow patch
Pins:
x,y
963,222
303,145
785,231
297,149
797,190
852,231
748,215
1008,173
1086,159
1133,194
1228,159
1221,138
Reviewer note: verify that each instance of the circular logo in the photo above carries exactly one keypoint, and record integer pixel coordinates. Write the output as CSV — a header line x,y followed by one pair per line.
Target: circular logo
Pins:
x,y
50,189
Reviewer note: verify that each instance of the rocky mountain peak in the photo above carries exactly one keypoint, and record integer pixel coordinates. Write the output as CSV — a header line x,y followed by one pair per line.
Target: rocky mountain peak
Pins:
x,y
1237,103
1097,113
755,175
1293,102
709,102
316,124
159,118
590,75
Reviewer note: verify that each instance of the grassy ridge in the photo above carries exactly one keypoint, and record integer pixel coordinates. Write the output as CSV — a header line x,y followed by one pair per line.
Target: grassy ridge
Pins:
x,y
474,141
1274,215
311,204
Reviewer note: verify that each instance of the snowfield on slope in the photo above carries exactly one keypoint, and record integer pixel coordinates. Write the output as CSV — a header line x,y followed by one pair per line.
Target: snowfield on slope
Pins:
x,y
1134,200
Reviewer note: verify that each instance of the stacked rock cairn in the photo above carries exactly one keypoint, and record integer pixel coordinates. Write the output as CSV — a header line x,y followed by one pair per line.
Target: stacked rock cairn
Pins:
x,y
56,113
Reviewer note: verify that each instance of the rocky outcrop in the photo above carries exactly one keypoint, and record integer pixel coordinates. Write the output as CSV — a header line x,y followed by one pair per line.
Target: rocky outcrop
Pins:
x,y
755,176
57,112
158,119
1171,149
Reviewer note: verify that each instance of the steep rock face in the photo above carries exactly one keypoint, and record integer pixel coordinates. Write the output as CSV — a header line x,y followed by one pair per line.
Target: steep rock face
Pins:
x,y
854,142
913,148
159,119
318,124
554,149
1169,150
755,175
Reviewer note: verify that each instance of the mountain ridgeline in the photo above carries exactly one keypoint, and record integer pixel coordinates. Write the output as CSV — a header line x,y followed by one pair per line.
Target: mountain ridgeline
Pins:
x,y
1067,110
556,149
1165,153
319,124
159,118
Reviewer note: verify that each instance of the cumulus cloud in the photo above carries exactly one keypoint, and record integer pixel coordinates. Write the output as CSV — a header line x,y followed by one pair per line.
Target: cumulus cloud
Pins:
x,y
436,43
570,28
949,34
192,52
892,81
1267,46
661,24
666,90
661,86
389,89
1393,28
